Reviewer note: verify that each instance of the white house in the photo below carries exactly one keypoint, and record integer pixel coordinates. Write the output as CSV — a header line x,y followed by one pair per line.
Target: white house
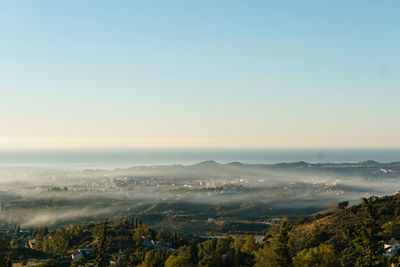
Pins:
x,y
390,248
82,252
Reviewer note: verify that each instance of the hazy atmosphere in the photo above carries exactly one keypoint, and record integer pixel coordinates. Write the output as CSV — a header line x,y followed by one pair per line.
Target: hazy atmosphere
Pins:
x,y
99,74
199,133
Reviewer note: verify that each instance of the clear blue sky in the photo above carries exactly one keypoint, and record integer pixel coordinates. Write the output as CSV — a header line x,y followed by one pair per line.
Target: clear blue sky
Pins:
x,y
199,74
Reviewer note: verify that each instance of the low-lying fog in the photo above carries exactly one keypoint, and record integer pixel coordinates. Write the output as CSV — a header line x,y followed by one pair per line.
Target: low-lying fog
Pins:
x,y
233,191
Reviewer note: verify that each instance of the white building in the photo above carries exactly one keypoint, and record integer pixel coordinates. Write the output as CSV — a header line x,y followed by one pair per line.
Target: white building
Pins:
x,y
390,248
82,252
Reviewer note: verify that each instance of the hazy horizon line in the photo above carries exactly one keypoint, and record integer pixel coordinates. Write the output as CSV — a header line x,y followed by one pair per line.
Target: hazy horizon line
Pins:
x,y
194,148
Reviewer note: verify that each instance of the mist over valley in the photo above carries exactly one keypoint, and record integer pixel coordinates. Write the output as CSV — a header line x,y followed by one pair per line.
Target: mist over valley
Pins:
x,y
198,198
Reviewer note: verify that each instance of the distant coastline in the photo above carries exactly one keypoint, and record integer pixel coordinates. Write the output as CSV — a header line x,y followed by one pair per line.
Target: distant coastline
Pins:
x,y
76,160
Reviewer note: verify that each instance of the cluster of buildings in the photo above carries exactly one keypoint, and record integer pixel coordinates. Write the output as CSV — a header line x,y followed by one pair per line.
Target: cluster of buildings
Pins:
x,y
151,184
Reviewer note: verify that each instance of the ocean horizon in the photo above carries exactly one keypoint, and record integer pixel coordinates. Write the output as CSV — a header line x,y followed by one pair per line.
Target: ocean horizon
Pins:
x,y
79,159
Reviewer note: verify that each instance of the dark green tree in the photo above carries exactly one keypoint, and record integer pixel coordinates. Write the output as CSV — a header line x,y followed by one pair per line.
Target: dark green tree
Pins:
x,y
103,243
5,253
343,205
323,255
243,251
57,242
282,248
156,258
369,244
207,255
164,236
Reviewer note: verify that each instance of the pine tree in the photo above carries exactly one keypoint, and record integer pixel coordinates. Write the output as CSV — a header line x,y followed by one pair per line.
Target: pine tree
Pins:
x,y
282,249
103,257
370,247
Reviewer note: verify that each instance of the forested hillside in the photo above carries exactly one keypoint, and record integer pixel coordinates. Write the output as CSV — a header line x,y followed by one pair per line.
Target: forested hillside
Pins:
x,y
339,236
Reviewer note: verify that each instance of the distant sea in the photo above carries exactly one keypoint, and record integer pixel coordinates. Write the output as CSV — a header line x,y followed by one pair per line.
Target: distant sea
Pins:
x,y
75,160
